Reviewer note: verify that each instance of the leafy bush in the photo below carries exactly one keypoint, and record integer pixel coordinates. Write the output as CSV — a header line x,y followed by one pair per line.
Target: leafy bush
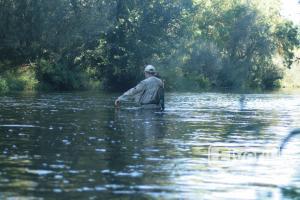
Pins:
x,y
203,63
56,76
18,79
3,85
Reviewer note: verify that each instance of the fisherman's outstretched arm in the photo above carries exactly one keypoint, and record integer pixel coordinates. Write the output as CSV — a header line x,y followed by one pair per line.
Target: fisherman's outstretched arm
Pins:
x,y
131,93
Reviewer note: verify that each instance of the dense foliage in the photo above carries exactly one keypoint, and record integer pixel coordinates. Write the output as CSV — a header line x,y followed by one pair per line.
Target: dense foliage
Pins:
x,y
84,44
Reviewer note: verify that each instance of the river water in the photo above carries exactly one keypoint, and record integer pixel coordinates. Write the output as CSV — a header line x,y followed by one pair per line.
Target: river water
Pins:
x,y
203,146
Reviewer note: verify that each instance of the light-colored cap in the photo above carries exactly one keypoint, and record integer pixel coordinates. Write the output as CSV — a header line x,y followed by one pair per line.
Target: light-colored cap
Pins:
x,y
150,69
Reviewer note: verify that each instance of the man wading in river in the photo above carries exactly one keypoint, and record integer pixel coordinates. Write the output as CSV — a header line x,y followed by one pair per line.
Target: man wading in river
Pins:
x,y
149,93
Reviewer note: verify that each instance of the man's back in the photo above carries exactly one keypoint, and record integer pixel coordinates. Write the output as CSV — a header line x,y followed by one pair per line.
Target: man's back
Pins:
x,y
153,87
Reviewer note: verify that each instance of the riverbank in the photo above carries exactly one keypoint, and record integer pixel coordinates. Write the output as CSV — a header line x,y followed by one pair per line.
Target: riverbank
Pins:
x,y
24,79
33,77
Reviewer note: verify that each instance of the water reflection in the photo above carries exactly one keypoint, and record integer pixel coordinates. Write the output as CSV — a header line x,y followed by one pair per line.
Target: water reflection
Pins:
x,y
76,145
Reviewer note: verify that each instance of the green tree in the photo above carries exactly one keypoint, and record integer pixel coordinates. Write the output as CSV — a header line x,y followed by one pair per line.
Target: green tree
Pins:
x,y
140,31
76,44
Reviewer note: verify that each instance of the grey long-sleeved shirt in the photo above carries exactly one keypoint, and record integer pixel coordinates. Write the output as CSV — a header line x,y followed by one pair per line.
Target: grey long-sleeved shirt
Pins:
x,y
147,91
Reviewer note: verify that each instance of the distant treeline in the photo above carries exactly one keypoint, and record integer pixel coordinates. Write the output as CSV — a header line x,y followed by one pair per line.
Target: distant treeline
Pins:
x,y
196,44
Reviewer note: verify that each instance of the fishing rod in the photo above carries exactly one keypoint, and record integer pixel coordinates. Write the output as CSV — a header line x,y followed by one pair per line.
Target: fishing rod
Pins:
x,y
288,137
